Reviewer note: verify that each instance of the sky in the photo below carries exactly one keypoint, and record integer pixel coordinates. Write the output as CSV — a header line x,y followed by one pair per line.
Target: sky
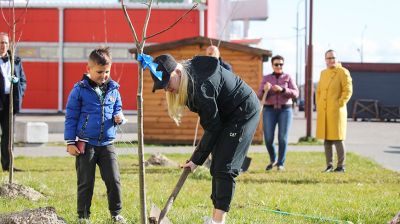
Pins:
x,y
342,25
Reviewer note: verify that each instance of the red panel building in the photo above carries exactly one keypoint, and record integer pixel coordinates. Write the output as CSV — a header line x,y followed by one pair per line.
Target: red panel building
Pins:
x,y
55,40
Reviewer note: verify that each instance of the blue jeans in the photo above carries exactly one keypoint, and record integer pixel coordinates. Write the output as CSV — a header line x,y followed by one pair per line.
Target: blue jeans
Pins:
x,y
272,117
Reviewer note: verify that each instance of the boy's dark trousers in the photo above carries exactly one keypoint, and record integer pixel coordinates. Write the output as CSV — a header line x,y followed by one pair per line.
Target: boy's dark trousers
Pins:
x,y
105,157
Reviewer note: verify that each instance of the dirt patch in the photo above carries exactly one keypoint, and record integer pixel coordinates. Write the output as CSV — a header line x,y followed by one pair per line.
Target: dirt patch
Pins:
x,y
160,160
15,190
46,215
396,219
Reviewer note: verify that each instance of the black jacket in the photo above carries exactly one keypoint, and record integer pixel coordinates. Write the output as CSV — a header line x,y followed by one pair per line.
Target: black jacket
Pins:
x,y
18,88
225,65
215,95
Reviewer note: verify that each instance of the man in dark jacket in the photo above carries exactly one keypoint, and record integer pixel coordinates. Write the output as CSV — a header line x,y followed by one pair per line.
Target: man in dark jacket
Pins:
x,y
213,51
19,86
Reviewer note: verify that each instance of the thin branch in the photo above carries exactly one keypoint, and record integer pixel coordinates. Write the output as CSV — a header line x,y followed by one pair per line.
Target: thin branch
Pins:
x,y
23,15
226,23
162,31
146,23
130,24
105,24
4,17
24,19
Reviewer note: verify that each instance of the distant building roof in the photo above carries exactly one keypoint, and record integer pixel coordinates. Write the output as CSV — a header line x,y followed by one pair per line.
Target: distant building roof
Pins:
x,y
372,67
206,41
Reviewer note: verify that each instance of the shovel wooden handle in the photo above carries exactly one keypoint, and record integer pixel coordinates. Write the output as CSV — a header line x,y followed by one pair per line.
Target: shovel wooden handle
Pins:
x,y
174,194
263,98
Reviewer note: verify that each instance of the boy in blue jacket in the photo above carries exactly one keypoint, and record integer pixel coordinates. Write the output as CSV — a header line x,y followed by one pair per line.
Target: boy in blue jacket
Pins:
x,y
94,109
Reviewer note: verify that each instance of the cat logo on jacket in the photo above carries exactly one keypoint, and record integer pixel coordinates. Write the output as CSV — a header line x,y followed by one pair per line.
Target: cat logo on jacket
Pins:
x,y
232,134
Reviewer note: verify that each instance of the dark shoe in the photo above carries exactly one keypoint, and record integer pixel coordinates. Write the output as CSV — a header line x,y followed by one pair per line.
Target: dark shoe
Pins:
x,y
270,166
14,169
328,169
339,169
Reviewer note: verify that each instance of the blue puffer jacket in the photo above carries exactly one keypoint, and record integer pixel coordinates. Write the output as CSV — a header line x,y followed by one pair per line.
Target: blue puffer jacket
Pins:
x,y
88,118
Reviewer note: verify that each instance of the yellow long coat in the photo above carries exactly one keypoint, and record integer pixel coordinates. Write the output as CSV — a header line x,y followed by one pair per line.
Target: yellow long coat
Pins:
x,y
333,92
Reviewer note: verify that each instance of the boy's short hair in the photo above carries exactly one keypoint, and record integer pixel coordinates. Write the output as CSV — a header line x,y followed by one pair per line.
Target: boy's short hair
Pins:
x,y
100,56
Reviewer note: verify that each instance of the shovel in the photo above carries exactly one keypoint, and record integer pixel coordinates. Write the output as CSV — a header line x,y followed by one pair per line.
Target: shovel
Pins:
x,y
159,217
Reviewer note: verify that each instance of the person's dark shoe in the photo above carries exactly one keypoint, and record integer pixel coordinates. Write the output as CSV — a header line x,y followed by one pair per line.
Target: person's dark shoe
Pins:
x,y
328,169
339,169
14,169
270,166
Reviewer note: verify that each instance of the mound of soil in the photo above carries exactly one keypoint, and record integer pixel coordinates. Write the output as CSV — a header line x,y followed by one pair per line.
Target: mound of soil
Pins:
x,y
396,219
46,215
15,190
160,160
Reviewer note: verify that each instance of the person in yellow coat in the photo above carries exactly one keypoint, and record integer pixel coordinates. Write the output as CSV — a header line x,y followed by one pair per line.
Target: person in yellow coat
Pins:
x,y
333,92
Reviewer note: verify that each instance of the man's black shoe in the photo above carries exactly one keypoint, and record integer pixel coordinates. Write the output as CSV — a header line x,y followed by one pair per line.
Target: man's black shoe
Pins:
x,y
339,169
328,169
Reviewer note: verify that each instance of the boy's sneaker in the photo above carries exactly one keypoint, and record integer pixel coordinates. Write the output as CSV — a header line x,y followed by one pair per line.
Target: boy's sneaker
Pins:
x,y
83,221
209,220
118,219
339,169
328,169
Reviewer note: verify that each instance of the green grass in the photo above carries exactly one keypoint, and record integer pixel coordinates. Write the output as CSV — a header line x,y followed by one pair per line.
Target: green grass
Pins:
x,y
366,193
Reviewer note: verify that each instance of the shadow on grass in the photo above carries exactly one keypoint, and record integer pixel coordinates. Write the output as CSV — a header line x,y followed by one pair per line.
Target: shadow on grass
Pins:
x,y
161,170
392,151
333,179
283,181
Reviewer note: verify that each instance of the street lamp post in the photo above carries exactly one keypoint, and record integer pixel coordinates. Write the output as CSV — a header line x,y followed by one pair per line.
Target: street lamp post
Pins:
x,y
297,45
362,44
309,80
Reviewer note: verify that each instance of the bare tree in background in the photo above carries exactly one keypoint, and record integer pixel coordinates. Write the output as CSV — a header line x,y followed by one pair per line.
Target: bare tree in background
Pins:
x,y
139,50
11,22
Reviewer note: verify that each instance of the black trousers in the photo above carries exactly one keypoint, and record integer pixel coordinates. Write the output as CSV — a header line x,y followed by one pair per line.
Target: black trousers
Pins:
x,y
229,152
106,159
4,123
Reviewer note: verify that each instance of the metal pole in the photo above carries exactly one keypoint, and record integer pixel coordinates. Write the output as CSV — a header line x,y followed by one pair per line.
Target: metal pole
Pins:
x,y
362,44
60,59
309,102
305,56
297,46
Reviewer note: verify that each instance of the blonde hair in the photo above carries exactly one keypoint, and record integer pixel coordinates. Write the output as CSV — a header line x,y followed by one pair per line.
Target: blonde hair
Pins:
x,y
177,101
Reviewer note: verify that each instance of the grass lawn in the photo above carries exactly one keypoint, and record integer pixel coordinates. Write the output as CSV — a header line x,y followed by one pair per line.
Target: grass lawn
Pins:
x,y
366,193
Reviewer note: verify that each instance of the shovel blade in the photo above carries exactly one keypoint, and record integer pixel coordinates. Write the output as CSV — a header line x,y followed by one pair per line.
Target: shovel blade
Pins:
x,y
154,214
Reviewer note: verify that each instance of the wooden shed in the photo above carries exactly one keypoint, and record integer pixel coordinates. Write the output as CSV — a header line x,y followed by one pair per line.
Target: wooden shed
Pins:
x,y
247,62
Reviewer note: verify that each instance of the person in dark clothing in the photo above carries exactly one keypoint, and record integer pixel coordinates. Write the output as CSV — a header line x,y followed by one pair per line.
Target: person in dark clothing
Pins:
x,y
93,111
19,87
229,114
213,51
